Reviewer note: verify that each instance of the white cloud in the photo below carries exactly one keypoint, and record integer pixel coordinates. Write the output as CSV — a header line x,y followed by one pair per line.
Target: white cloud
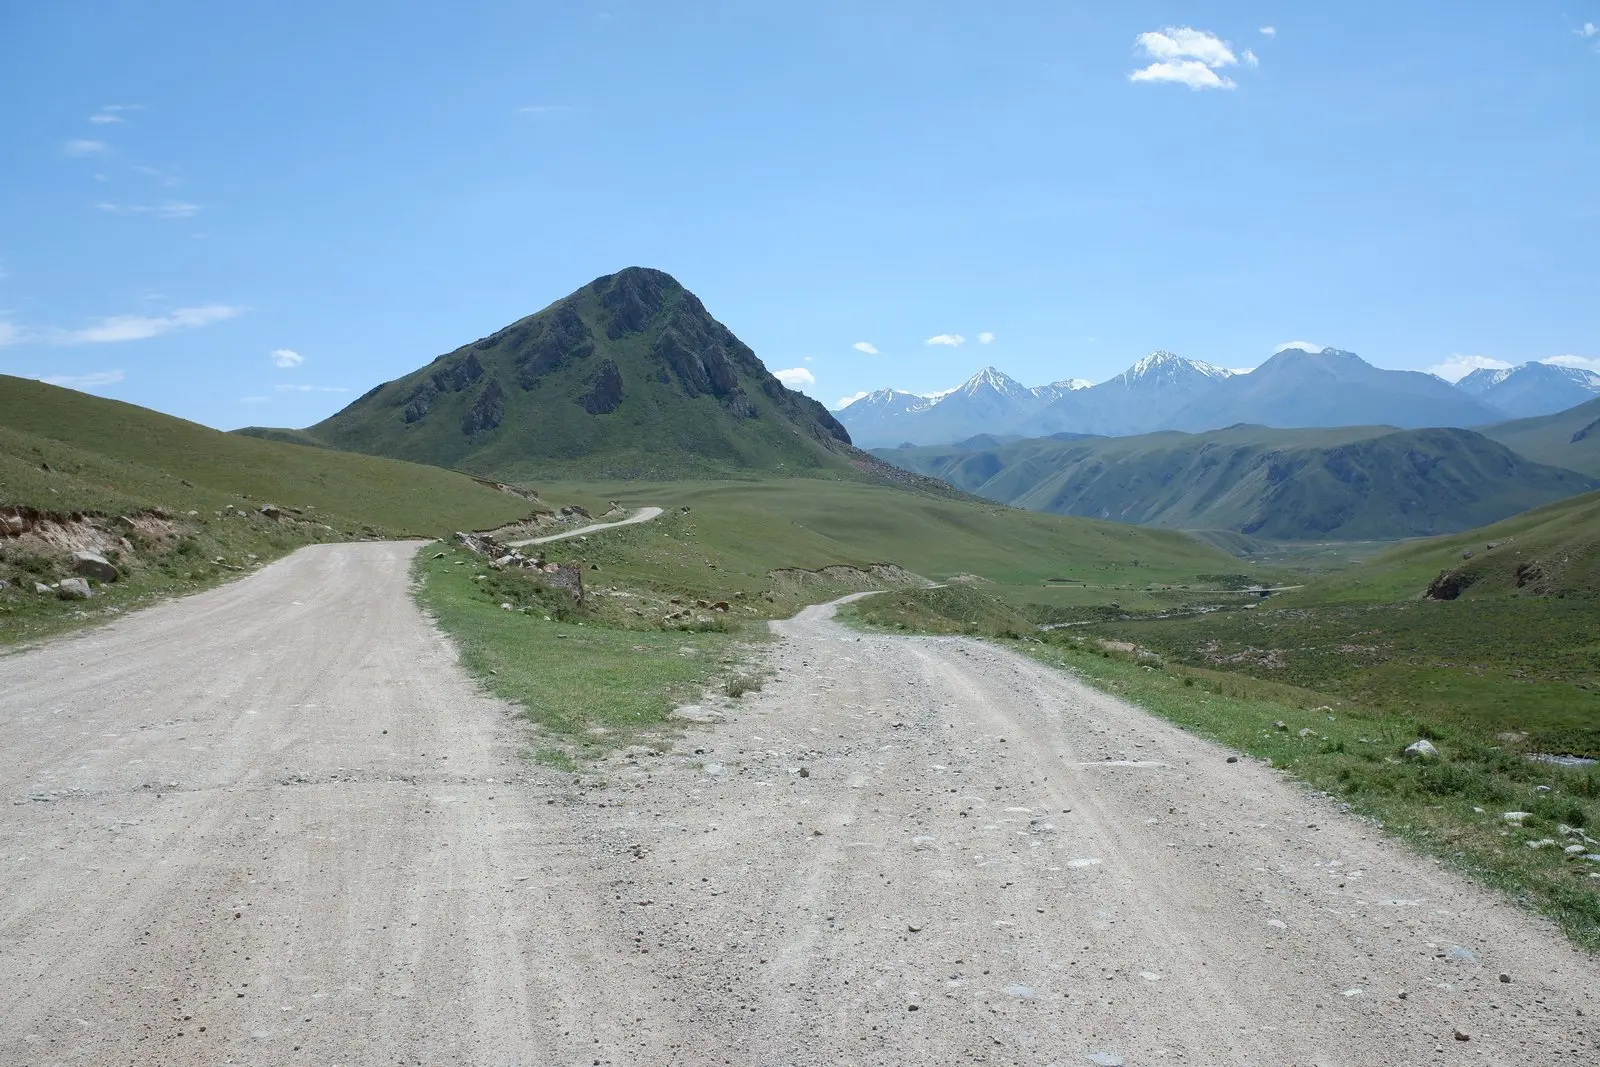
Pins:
x,y
846,401
1240,370
952,340
311,389
543,109
1185,56
171,209
866,346
1194,74
1581,362
110,113
286,357
10,333
986,338
1269,31
141,327
84,381
1304,346
83,147
1458,366
1250,58
1588,29
255,400
795,377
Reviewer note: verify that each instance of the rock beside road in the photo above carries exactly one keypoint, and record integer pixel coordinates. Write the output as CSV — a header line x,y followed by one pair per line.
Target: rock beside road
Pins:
x,y
74,589
89,565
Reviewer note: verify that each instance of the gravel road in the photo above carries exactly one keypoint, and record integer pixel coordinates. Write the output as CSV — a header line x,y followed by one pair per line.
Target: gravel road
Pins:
x,y
642,515
275,823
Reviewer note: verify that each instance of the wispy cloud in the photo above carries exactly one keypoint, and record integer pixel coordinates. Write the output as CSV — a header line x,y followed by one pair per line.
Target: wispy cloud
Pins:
x,y
286,357
1304,346
543,109
111,113
1185,56
168,177
795,377
986,338
120,328
952,340
1588,29
171,209
82,146
1581,362
866,346
10,334
311,389
1250,58
846,401
1459,366
1269,31
255,400
84,381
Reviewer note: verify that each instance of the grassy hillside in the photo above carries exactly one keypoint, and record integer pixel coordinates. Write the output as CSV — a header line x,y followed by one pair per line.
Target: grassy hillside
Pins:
x,y
1568,438
1349,483
71,464
629,376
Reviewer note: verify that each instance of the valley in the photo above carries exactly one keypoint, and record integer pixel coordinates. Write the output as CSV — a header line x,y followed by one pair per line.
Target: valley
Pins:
x,y
479,640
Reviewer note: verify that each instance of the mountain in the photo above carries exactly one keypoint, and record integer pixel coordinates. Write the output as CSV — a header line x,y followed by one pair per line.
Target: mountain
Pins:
x,y
1296,388
1348,483
987,402
1139,400
1569,438
630,376
1531,389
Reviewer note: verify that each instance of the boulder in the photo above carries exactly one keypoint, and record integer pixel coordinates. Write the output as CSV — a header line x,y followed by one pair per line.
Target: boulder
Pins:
x,y
74,589
89,565
42,589
1421,748
271,511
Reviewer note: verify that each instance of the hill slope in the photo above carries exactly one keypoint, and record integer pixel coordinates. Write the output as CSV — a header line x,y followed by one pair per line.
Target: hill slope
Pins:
x,y
629,376
1569,438
1350,483
65,451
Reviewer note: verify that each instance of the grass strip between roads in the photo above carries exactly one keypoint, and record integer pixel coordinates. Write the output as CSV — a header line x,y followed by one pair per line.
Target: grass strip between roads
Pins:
x,y
587,684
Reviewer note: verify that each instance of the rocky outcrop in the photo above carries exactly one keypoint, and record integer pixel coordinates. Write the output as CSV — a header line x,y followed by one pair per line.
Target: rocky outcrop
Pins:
x,y
487,411
605,390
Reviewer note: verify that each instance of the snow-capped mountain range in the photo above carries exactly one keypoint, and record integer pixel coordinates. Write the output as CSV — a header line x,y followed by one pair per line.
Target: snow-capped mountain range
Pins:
x,y
1162,391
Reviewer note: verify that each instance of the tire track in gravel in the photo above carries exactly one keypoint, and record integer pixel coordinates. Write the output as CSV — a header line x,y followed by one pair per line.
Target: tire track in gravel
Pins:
x,y
280,811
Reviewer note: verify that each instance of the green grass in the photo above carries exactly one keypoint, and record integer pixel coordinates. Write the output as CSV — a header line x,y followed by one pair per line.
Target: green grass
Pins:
x,y
578,672
1450,809
89,460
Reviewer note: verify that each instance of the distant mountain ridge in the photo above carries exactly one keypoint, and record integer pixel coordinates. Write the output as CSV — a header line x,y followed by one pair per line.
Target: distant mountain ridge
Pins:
x,y
1344,483
1532,389
1295,388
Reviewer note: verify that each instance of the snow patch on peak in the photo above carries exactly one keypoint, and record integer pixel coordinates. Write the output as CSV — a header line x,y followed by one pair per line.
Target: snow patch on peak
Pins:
x,y
1162,365
990,378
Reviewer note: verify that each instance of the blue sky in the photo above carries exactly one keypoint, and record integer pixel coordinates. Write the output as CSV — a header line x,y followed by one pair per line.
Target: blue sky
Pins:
x,y
252,216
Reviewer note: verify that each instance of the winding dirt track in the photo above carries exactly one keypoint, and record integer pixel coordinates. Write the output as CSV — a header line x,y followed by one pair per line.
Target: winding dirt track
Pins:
x,y
274,824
